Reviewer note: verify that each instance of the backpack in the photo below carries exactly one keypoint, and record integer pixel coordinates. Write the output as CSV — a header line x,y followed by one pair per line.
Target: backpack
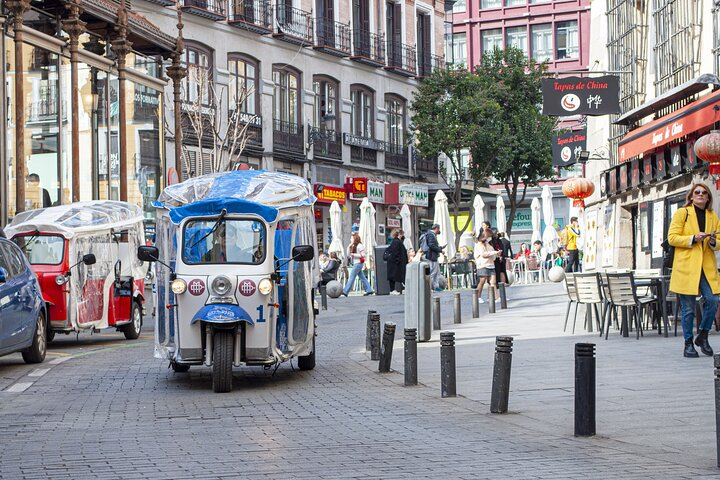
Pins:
x,y
423,243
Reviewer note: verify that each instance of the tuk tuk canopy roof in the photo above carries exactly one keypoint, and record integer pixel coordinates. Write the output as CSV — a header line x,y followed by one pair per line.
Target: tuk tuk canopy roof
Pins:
x,y
76,218
240,191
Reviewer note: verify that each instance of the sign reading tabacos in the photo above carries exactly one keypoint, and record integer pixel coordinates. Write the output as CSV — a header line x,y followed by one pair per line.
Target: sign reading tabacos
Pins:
x,y
328,194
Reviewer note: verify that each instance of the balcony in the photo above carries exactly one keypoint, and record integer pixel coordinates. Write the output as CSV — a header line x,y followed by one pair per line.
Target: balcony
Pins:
x,y
288,137
368,48
396,157
363,156
423,165
401,59
294,25
164,3
212,9
326,143
253,15
429,64
332,37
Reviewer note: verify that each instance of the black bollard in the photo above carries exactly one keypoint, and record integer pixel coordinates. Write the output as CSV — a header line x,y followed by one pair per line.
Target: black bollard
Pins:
x,y
447,364
501,375
323,296
717,405
436,313
503,298
491,298
410,356
456,310
475,305
375,337
584,389
387,347
368,331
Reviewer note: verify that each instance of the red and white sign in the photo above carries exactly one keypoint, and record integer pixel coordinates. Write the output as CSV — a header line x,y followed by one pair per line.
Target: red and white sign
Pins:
x,y
570,102
196,287
393,222
247,288
328,194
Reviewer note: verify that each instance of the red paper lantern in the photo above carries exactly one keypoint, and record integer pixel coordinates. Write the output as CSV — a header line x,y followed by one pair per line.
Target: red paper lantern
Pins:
x,y
578,188
707,148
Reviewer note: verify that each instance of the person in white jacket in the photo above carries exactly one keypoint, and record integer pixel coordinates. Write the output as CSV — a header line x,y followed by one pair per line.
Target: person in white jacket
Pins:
x,y
356,253
485,256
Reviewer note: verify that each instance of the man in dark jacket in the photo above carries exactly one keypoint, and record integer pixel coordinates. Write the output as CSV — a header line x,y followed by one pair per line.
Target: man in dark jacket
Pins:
x,y
397,259
433,253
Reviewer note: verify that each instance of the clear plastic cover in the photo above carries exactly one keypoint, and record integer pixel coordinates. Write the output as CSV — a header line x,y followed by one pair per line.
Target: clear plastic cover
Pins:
x,y
165,240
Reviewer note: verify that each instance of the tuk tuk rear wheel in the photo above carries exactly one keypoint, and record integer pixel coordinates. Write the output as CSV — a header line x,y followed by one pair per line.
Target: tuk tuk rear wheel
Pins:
x,y
222,361
38,349
132,329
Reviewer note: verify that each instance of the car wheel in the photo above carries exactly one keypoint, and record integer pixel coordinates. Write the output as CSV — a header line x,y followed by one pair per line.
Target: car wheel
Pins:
x,y
179,367
222,361
38,349
132,330
308,361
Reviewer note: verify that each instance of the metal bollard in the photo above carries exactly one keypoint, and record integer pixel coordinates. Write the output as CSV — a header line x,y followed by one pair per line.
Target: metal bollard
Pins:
x,y
503,298
491,298
475,305
456,309
375,337
717,405
387,347
447,364
323,297
436,313
584,389
501,375
410,356
368,331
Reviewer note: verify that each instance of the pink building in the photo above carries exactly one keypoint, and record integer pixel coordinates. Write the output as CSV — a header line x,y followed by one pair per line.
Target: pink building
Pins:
x,y
554,30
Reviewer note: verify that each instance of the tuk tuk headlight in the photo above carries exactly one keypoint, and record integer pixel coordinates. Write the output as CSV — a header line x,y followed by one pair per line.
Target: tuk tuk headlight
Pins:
x,y
61,280
265,286
178,286
221,285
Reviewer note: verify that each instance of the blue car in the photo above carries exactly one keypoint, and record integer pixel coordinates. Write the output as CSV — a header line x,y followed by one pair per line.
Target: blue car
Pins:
x,y
23,325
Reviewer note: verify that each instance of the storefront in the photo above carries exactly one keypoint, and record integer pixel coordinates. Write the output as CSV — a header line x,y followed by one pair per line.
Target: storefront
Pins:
x,y
326,194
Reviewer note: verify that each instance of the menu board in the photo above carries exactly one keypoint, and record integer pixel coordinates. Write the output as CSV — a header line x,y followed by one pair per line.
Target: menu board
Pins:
x,y
608,245
590,250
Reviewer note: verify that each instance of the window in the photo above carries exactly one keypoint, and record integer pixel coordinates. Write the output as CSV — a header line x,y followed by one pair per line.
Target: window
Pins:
x,y
491,39
566,40
459,49
395,121
230,241
286,98
459,6
491,4
361,118
326,103
517,37
13,263
242,90
197,83
42,249
513,3
541,42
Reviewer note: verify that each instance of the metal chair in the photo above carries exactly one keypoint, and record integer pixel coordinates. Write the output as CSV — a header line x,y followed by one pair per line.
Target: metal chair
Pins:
x,y
460,272
589,292
572,298
622,291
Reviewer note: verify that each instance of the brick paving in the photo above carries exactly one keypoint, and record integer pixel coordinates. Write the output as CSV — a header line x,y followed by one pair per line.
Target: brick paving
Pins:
x,y
113,411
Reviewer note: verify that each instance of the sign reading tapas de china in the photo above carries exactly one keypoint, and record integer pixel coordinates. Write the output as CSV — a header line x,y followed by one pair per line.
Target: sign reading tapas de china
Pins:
x,y
566,147
581,96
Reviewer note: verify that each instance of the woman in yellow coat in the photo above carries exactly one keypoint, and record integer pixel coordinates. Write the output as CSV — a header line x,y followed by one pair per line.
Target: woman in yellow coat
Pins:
x,y
692,232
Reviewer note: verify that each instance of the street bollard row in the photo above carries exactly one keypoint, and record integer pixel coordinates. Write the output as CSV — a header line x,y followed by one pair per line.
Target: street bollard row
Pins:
x,y
456,309
410,357
323,297
584,389
387,347
503,297
501,375
475,304
436,314
448,386
368,331
491,303
375,336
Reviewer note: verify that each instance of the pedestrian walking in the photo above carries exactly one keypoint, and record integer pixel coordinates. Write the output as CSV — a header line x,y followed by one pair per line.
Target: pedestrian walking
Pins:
x,y
397,258
433,254
693,233
500,260
485,255
356,257
573,233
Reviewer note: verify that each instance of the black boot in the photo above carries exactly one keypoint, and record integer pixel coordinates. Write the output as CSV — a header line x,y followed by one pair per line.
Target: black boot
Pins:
x,y
702,342
690,351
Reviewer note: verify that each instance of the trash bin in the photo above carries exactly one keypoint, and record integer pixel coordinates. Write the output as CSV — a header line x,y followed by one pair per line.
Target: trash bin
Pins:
x,y
417,299
382,286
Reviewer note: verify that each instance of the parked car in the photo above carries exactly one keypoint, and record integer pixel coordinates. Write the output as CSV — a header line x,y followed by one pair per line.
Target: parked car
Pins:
x,y
23,320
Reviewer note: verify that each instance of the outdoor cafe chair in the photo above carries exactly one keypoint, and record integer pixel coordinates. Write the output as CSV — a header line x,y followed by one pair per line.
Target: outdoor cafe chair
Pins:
x,y
461,274
533,268
623,293
589,293
572,298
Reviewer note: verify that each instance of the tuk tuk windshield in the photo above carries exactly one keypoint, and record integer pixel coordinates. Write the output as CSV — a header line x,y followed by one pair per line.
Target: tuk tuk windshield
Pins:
x,y
42,249
207,241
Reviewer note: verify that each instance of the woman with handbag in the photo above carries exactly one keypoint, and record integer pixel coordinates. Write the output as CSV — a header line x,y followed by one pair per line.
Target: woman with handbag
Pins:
x,y
485,255
694,269
356,257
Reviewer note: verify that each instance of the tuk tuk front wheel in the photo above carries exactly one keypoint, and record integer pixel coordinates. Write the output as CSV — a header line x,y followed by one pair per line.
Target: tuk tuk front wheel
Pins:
x,y
36,352
132,329
222,361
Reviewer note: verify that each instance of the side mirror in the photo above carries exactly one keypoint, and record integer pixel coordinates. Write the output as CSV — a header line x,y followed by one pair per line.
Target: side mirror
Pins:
x,y
89,259
303,253
148,254
3,275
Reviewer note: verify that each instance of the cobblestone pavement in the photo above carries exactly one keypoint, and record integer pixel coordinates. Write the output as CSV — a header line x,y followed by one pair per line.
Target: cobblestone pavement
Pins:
x,y
103,407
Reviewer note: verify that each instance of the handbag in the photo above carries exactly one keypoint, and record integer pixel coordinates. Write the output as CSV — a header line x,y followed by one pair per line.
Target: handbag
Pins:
x,y
669,250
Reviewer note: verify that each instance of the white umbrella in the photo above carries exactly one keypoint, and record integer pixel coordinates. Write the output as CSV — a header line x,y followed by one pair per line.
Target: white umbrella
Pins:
x,y
550,236
479,215
336,230
367,231
442,218
535,209
406,217
500,214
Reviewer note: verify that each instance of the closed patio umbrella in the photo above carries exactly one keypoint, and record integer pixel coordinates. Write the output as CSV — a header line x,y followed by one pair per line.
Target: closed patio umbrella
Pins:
x,y
479,214
442,218
367,232
500,214
406,217
535,209
550,236
336,244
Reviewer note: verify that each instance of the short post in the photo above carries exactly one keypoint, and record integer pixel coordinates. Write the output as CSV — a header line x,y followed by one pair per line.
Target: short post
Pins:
x,y
387,347
717,405
475,305
503,298
585,389
436,313
368,331
456,309
323,296
491,298
410,356
501,375
447,364
375,337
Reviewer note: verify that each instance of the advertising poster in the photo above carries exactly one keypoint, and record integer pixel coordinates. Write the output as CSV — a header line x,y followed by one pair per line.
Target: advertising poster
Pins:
x,y
608,247
590,250
658,214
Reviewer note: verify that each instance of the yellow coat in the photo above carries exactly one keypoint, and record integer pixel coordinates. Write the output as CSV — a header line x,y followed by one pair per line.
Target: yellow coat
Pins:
x,y
689,259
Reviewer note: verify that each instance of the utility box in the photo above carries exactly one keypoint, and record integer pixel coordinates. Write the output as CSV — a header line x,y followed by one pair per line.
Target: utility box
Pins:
x,y
418,294
382,286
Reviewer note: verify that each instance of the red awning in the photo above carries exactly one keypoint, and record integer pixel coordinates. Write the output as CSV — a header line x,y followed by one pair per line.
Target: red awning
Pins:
x,y
693,117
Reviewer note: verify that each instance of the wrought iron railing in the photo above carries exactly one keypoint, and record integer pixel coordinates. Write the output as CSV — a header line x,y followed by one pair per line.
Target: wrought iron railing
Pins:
x,y
332,34
294,22
401,56
369,45
288,136
363,155
43,109
396,157
252,12
213,6
326,142
430,63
